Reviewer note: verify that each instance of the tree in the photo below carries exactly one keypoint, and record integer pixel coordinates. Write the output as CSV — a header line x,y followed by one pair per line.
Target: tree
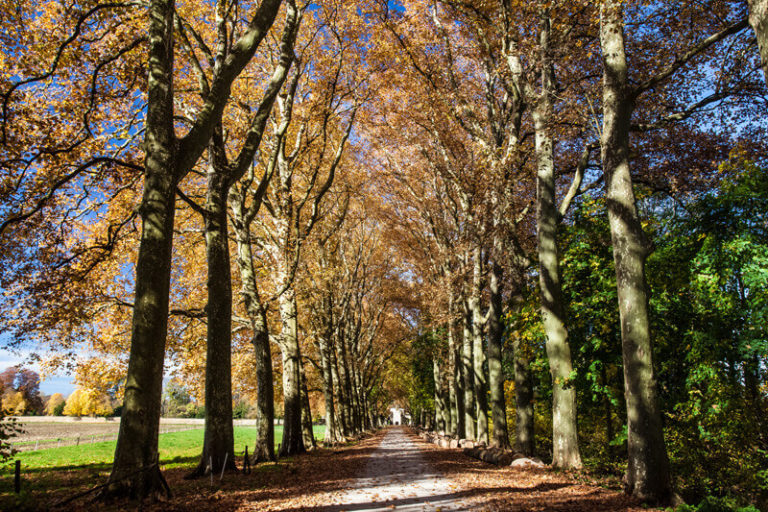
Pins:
x,y
648,470
168,159
54,405
20,389
85,402
564,429
222,174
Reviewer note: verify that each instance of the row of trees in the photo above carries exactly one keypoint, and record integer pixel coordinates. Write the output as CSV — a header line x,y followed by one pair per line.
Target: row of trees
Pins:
x,y
372,170
126,202
495,104
20,396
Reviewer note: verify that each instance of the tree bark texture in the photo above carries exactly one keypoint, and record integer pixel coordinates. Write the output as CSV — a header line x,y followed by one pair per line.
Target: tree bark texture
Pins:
x,y
264,449
758,19
331,427
495,371
565,442
648,475
453,384
293,440
133,473
524,438
478,353
218,439
306,414
440,403
468,371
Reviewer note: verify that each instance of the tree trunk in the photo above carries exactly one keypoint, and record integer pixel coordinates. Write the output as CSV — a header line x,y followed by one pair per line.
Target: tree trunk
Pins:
x,y
453,385
648,475
478,355
565,442
346,402
440,405
340,397
306,414
458,380
609,433
468,372
218,439
481,382
358,409
264,449
293,440
495,371
455,392
524,439
330,410
134,471
758,19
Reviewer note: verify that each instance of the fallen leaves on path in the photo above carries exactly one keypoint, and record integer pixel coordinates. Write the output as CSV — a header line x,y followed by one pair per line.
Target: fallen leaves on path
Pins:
x,y
317,480
503,488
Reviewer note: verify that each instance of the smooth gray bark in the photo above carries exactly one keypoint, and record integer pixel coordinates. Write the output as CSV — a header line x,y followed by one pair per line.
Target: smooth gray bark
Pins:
x,y
137,439
495,372
264,449
565,443
440,403
332,432
324,346
306,414
338,392
478,354
454,390
468,374
481,389
648,476
293,437
218,438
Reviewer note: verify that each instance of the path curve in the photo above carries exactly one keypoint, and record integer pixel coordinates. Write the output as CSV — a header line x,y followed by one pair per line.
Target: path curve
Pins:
x,y
397,477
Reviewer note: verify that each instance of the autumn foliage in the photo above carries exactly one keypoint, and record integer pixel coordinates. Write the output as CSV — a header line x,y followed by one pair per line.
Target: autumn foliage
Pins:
x,y
503,216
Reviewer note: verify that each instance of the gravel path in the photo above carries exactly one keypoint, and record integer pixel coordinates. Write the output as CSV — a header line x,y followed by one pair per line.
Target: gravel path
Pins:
x,y
398,477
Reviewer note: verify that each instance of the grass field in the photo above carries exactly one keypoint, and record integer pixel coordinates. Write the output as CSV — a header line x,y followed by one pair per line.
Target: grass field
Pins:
x,y
61,471
176,448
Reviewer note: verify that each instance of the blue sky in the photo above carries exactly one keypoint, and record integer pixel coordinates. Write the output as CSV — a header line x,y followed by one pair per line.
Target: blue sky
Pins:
x,y
60,383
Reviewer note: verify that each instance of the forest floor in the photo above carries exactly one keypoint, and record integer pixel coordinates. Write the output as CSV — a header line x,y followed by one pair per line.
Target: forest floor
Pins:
x,y
390,470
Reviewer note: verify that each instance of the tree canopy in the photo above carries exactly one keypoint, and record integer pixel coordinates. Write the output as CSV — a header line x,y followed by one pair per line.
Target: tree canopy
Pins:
x,y
537,225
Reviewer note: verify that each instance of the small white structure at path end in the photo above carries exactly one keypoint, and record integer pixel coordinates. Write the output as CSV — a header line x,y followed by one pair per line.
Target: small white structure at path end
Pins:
x,y
398,416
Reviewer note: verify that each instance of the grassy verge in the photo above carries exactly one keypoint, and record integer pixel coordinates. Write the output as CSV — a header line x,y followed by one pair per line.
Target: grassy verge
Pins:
x,y
176,448
56,472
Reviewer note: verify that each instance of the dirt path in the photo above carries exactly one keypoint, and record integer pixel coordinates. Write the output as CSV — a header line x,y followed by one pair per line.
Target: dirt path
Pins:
x,y
398,477
392,469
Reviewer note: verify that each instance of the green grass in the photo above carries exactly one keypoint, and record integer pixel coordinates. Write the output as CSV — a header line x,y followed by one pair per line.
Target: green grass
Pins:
x,y
72,468
176,448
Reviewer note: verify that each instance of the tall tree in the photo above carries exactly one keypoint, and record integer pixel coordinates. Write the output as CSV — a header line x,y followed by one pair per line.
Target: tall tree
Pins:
x,y
168,159
648,466
218,442
565,444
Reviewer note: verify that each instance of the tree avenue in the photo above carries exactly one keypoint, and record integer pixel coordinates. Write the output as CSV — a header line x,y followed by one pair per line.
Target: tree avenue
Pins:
x,y
534,225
